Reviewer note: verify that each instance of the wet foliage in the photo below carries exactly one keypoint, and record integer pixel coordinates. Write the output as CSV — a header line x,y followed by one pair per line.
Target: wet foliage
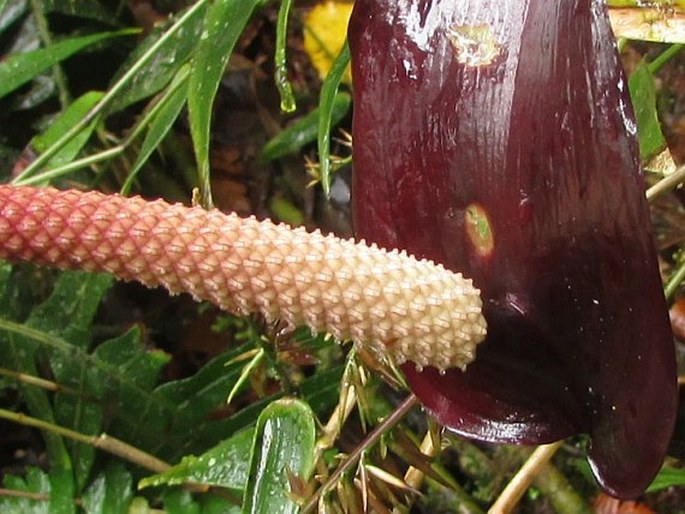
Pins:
x,y
115,398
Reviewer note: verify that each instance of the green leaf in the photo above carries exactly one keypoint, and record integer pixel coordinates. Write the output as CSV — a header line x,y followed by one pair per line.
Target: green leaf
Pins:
x,y
182,502
224,23
305,129
223,466
81,8
56,491
111,492
69,310
36,481
329,90
667,477
643,96
62,491
17,70
194,399
70,117
129,400
285,211
284,444
160,124
168,60
68,313
127,354
320,391
120,372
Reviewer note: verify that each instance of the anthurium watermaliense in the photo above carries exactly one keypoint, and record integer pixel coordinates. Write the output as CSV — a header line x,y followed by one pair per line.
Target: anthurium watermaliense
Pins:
x,y
496,137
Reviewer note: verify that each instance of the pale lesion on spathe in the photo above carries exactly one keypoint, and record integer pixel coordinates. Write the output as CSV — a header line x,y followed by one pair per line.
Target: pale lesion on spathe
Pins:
x,y
475,45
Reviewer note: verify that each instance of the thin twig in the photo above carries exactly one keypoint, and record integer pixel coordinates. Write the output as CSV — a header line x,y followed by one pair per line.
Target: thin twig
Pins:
x,y
48,385
666,184
409,403
28,495
102,442
518,485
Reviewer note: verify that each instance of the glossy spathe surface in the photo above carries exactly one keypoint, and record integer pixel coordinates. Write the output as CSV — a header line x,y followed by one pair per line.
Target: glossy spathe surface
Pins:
x,y
519,108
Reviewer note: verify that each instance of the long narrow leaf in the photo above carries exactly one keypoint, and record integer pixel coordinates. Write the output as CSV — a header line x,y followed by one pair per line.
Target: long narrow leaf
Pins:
x,y
161,123
72,115
17,70
306,129
329,90
174,42
224,22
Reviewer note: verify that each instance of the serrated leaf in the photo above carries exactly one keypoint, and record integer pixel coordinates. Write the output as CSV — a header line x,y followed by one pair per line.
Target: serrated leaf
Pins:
x,y
304,130
70,117
69,310
195,397
284,443
36,481
17,70
68,313
223,466
55,493
224,22
128,355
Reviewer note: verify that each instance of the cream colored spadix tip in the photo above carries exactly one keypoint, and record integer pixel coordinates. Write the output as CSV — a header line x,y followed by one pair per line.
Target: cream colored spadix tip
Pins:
x,y
408,309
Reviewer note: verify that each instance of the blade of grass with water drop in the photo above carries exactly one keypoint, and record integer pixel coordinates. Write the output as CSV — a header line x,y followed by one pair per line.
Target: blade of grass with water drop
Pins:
x,y
280,63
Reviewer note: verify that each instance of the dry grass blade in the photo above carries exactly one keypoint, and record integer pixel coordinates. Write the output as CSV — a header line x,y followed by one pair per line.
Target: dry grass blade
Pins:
x,y
518,485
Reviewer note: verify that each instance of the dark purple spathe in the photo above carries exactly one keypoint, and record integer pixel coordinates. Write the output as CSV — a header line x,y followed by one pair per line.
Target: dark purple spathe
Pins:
x,y
534,133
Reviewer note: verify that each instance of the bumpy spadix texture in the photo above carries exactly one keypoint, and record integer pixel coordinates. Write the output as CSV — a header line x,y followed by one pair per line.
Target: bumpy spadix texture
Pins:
x,y
408,309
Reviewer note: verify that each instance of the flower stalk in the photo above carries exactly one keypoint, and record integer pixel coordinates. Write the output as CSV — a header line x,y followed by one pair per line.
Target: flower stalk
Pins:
x,y
408,309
